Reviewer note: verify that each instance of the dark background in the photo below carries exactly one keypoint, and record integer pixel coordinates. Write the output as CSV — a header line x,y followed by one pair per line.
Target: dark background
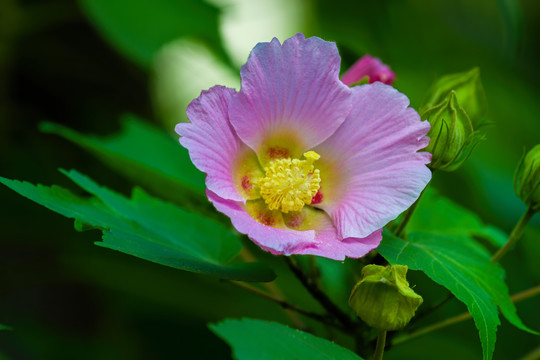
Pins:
x,y
84,64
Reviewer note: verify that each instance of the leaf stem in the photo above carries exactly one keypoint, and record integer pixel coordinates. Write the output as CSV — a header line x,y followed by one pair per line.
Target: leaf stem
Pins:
x,y
515,234
407,216
320,296
381,343
461,317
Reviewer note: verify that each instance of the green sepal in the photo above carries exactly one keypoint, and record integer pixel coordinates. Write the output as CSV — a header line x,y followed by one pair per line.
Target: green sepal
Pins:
x,y
469,92
527,178
383,298
452,136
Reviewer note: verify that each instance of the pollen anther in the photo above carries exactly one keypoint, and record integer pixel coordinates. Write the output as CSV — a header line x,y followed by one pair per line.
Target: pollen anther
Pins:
x,y
290,184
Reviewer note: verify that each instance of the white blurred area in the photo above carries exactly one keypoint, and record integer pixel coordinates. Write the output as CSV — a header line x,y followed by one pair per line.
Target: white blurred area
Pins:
x,y
183,68
245,23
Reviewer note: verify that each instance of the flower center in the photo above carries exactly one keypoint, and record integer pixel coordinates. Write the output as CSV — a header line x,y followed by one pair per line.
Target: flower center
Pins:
x,y
290,184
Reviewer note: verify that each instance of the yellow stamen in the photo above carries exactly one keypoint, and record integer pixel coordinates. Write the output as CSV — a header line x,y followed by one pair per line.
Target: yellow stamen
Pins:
x,y
290,184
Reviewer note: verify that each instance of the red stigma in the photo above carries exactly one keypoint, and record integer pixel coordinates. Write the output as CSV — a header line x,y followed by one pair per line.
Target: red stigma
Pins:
x,y
318,198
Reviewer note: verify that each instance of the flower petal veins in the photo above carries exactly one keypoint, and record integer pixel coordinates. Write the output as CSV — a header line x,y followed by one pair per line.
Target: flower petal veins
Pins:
x,y
301,163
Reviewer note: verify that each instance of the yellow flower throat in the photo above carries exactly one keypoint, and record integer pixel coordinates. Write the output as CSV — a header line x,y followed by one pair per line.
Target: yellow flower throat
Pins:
x,y
290,184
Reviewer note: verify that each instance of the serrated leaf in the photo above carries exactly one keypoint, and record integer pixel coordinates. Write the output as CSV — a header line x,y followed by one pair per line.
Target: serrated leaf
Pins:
x,y
144,154
438,214
139,28
263,340
463,267
148,228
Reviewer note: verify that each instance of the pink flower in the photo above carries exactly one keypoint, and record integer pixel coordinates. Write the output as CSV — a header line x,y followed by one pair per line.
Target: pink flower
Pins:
x,y
300,162
371,67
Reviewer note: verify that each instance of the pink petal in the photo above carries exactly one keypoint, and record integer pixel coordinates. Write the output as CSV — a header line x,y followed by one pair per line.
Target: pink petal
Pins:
x,y
212,142
370,168
278,241
327,243
291,97
330,245
371,67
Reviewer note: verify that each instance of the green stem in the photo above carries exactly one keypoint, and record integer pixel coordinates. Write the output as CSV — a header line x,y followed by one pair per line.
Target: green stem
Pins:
x,y
381,343
287,306
515,234
407,216
320,296
274,290
461,317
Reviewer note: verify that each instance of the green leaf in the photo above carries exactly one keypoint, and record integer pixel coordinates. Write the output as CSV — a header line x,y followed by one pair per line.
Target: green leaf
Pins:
x,y
5,327
438,214
263,340
144,154
463,267
138,28
148,228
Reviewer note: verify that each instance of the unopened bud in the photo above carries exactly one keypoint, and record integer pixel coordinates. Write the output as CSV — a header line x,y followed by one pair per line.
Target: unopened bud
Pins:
x,y
452,137
527,178
383,298
367,70
469,92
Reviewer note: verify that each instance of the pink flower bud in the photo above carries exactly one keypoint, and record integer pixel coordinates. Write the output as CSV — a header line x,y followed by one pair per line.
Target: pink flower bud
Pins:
x,y
371,67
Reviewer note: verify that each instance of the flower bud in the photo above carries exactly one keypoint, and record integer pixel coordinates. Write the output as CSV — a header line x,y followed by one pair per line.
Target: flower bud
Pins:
x,y
527,178
383,298
452,137
370,69
469,92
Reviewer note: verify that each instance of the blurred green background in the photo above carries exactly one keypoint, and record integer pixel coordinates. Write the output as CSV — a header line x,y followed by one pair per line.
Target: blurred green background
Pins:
x,y
84,64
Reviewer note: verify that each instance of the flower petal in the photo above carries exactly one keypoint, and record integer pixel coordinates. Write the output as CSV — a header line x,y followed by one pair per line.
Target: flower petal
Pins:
x,y
332,248
215,148
291,97
276,240
370,168
328,242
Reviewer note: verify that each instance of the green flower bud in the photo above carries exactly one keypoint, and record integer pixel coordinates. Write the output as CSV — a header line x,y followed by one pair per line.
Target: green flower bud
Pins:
x,y
469,92
383,298
452,134
527,178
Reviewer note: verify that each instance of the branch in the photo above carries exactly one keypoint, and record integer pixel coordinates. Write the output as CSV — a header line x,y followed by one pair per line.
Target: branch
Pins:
x,y
516,233
320,296
461,317
285,305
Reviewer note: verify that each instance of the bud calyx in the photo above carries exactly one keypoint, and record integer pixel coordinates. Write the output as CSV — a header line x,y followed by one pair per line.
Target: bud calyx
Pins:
x,y
452,137
527,178
383,298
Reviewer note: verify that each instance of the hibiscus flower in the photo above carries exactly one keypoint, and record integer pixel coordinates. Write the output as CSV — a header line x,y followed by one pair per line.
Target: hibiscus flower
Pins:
x,y
300,162
371,68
